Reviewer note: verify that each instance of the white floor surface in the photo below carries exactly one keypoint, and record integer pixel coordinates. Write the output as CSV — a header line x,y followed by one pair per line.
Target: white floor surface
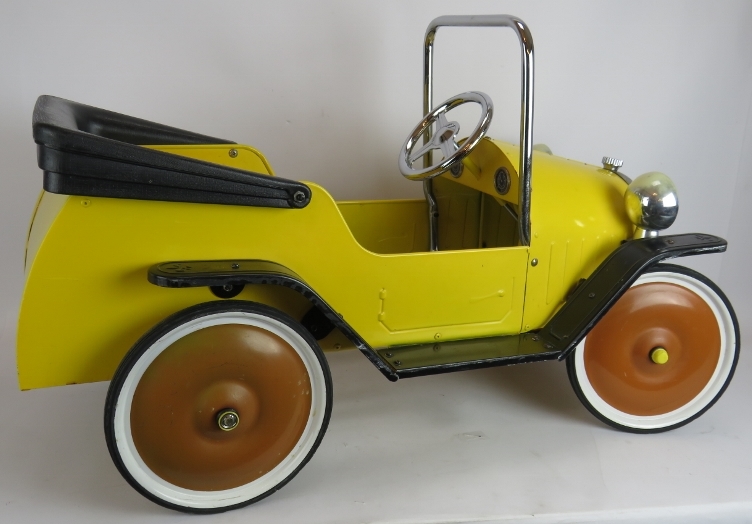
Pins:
x,y
495,445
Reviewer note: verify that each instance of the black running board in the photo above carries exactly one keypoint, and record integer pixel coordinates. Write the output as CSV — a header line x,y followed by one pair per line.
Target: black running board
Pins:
x,y
445,357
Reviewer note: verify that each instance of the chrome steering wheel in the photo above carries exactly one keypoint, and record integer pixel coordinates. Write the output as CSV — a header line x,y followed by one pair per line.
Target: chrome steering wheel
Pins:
x,y
443,138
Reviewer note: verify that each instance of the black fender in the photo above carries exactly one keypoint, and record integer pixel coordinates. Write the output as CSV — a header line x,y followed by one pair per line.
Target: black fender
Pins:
x,y
594,297
220,273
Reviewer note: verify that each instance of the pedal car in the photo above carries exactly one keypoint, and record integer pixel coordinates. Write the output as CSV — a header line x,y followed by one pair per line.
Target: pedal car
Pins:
x,y
179,267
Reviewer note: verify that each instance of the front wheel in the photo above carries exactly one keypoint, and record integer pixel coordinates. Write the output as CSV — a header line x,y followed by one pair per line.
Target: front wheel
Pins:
x,y
661,356
218,406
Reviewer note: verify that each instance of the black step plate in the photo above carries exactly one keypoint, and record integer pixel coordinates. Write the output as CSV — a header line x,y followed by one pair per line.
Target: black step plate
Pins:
x,y
444,357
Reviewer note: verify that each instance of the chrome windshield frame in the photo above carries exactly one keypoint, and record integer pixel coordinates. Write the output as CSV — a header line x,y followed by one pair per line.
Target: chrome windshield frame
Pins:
x,y
526,111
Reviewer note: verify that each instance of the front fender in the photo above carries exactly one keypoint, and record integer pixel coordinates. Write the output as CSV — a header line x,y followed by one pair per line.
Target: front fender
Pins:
x,y
594,297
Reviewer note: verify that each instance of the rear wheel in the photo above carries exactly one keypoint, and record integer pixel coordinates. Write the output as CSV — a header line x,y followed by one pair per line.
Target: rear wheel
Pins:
x,y
218,406
661,356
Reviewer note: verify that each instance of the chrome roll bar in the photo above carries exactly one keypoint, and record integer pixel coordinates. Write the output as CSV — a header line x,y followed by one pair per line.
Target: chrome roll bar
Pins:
x,y
526,111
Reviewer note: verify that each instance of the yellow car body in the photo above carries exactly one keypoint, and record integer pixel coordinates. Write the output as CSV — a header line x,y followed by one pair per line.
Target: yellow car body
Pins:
x,y
87,299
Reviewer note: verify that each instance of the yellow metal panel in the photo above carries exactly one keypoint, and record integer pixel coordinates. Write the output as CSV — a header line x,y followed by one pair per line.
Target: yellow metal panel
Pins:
x,y
413,298
565,265
388,226
459,212
577,220
480,169
87,300
44,215
498,226
232,155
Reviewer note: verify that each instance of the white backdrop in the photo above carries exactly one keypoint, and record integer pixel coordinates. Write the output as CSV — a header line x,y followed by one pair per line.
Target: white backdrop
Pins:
x,y
329,90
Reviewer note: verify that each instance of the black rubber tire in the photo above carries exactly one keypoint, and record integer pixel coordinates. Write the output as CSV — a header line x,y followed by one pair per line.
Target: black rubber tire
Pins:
x,y
165,327
574,380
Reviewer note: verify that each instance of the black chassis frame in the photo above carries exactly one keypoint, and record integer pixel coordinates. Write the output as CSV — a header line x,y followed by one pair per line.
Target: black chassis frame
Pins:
x,y
584,307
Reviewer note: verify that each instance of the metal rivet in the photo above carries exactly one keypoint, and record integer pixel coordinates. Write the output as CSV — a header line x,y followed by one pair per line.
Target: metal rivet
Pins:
x,y
457,170
535,338
397,362
534,262
436,347
502,181
228,419
236,266
86,202
437,336
337,346
299,197
549,346
591,295
233,153
389,355
670,241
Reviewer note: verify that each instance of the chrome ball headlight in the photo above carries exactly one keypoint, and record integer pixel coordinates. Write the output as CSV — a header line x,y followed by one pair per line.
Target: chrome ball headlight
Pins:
x,y
651,203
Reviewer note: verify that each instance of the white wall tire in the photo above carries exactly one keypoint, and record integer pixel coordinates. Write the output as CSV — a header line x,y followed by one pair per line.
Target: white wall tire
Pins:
x,y
611,369
163,402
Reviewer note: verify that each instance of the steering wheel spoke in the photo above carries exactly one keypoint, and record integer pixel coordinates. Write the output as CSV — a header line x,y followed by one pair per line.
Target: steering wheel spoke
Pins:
x,y
441,121
448,146
415,155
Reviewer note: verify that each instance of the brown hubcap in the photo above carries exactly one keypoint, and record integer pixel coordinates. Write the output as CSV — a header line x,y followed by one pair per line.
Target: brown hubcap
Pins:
x,y
618,351
241,376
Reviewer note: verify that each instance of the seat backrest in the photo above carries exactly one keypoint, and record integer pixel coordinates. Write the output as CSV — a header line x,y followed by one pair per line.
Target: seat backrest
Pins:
x,y
84,150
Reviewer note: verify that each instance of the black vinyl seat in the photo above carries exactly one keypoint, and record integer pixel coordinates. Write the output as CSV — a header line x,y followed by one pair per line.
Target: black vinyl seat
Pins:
x,y
88,151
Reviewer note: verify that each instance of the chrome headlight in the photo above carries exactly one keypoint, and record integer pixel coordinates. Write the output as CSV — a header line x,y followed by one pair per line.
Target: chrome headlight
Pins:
x,y
652,203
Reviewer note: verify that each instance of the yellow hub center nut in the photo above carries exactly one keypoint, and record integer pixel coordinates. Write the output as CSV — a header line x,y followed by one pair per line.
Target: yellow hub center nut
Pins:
x,y
659,355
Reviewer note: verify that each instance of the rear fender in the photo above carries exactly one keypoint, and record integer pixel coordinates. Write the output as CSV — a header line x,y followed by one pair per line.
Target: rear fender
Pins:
x,y
220,273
